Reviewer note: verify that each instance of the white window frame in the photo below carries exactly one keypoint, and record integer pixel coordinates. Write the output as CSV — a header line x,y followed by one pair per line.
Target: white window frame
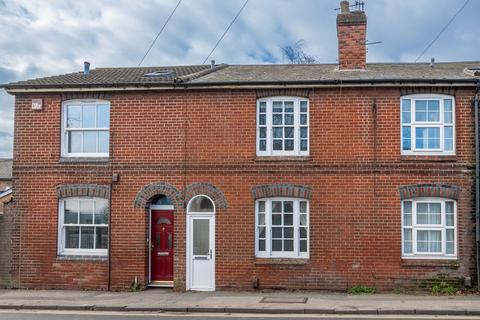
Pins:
x,y
268,253
427,124
65,130
442,227
61,231
269,125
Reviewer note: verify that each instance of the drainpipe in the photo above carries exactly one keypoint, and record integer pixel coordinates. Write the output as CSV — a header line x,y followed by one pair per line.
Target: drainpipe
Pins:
x,y
477,182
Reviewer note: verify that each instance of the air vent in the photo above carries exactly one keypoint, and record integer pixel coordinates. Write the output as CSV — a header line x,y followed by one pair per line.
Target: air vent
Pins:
x,y
474,72
159,73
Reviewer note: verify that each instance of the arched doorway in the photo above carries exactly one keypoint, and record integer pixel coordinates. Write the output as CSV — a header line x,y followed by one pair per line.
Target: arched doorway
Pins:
x,y
161,237
201,244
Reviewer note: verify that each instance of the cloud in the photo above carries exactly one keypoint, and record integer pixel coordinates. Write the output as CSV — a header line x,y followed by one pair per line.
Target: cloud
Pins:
x,y
41,38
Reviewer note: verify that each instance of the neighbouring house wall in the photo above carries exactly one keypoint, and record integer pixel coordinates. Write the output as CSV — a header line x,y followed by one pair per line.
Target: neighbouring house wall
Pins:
x,y
182,137
6,246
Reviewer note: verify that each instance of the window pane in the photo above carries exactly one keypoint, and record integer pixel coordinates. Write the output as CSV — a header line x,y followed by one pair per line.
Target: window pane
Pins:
x,y
103,116
304,145
303,245
448,138
421,141
407,206
303,132
103,141
277,119
288,206
276,219
303,119
89,141
200,204
422,207
101,240
71,237
74,142
71,211
288,106
289,132
433,110
433,138
406,111
303,233
447,105
277,232
288,245
276,206
407,138
278,132
262,120
303,207
303,219
263,132
101,212
261,232
261,206
429,241
263,145
88,116
74,117
407,241
277,145
86,211
450,241
277,106
421,110
201,234
449,210
407,220
87,237
288,219
263,107
303,106
261,245
261,219
276,245
288,145
289,119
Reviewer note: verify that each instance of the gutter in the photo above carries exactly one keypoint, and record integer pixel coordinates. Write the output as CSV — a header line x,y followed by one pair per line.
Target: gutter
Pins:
x,y
477,182
246,85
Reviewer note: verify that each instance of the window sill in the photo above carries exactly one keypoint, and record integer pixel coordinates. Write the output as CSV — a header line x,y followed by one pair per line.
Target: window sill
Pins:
x,y
433,158
84,160
89,258
416,262
282,261
282,158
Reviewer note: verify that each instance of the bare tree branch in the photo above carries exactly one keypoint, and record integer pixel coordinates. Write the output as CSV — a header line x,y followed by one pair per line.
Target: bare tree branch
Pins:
x,y
295,54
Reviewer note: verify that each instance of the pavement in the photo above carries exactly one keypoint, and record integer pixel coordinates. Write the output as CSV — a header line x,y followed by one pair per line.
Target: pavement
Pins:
x,y
286,302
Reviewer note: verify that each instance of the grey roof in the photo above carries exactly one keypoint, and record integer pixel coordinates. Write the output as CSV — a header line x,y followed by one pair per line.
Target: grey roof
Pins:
x,y
6,169
256,74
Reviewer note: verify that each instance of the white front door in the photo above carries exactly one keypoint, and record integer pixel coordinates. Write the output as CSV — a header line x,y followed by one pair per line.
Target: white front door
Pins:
x,y
201,252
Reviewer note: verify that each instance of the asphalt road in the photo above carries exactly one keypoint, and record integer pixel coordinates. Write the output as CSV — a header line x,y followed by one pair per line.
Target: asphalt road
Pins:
x,y
84,315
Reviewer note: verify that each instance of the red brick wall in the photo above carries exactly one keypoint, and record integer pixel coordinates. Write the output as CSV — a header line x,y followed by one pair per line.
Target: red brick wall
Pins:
x,y
183,137
352,49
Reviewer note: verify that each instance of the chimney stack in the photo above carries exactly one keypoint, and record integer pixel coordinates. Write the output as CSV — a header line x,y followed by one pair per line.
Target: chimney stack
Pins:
x,y
352,38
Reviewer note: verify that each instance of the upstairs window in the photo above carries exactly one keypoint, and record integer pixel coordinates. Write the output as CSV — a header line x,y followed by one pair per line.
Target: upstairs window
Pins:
x,y
282,127
428,125
429,228
86,129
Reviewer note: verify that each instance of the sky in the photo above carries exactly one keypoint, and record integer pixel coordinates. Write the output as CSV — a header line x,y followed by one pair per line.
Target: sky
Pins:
x,y
40,38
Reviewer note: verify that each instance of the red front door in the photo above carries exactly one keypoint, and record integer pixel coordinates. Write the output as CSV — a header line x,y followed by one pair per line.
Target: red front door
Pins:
x,y
162,245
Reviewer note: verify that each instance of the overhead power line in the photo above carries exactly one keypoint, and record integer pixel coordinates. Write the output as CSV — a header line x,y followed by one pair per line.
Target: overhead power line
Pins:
x,y
225,32
159,32
441,31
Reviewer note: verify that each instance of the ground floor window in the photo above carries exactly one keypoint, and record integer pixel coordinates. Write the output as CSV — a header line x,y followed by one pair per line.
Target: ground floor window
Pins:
x,y
83,226
429,228
282,228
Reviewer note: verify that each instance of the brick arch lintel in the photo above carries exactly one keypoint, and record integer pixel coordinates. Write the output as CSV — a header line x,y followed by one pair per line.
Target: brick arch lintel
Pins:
x,y
429,190
281,190
204,188
154,189
83,190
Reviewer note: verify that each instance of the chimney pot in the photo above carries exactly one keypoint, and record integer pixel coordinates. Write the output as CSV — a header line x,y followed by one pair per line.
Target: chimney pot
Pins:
x,y
212,64
86,68
344,6
432,62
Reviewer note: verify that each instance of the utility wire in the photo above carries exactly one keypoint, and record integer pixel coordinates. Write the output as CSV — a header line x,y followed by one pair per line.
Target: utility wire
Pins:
x,y
441,31
225,32
159,32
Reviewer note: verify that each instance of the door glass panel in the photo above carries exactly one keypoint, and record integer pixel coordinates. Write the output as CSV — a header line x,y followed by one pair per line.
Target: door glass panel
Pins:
x,y
157,239
201,234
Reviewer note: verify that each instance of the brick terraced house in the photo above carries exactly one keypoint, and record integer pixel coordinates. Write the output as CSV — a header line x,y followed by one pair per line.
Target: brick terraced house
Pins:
x,y
318,176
